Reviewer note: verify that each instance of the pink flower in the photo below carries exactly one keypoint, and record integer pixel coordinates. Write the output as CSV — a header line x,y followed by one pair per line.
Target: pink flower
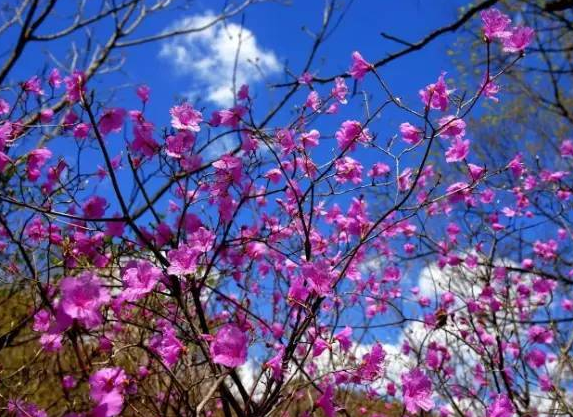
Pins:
x,y
275,364
535,358
457,192
520,39
69,382
452,127
19,408
310,139
319,277
410,134
417,391
359,66
501,407
5,133
179,143
46,115
458,151
55,171
143,93
201,239
41,321
114,228
516,165
215,119
228,171
566,149
94,207
546,383
4,107
319,345
139,279
33,85
332,109
348,169
372,365
143,138
36,160
540,334
351,132
305,78
274,175
112,120
55,79
379,169
277,330
405,180
51,342
226,206
232,117
343,337
107,387
190,163
313,101
185,117
229,346
326,401
298,291
391,389
70,118
436,95
285,138
527,263
183,260
546,250
4,160
476,172
75,86
166,344
340,90
35,230
243,93
495,24
490,89
250,142
391,274
82,298
163,234
81,130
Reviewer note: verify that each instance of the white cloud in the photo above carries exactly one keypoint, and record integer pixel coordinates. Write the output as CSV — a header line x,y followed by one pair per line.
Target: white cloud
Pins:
x,y
208,56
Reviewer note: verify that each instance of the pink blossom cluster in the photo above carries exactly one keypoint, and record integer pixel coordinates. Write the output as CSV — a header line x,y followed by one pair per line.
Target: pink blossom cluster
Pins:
x,y
303,264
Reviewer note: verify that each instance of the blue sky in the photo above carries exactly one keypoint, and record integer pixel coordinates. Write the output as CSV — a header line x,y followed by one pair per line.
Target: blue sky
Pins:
x,y
276,37
277,30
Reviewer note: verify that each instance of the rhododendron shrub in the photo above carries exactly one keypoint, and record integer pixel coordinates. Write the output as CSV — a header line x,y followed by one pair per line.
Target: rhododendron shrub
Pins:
x,y
165,276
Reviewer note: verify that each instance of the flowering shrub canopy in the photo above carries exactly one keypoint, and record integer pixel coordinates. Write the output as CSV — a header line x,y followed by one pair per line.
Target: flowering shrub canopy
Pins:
x,y
163,276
